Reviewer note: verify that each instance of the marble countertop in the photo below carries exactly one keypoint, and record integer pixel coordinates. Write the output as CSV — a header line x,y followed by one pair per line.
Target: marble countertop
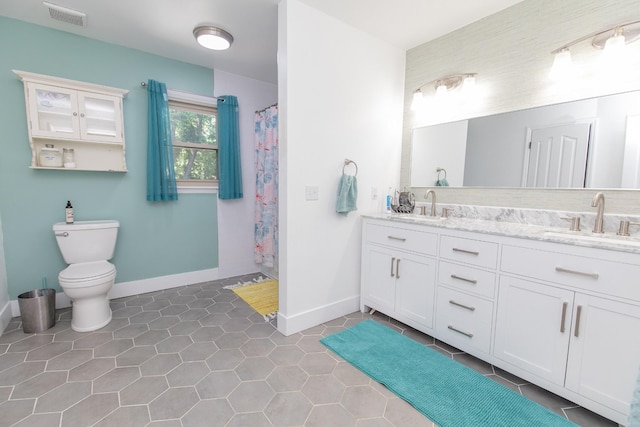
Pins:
x,y
550,233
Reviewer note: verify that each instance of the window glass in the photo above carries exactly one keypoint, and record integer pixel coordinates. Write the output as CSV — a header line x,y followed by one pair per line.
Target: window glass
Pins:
x,y
195,142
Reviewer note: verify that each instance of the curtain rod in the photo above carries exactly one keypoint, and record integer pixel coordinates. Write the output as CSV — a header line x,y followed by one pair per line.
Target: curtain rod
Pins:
x,y
144,85
266,108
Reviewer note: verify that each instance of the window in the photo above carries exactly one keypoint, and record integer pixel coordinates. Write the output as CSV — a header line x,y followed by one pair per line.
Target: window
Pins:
x,y
195,140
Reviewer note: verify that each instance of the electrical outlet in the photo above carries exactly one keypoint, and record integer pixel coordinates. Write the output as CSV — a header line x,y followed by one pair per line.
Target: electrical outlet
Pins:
x,y
311,192
374,193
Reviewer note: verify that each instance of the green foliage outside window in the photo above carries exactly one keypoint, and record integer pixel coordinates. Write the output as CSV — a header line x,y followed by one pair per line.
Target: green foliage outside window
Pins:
x,y
195,144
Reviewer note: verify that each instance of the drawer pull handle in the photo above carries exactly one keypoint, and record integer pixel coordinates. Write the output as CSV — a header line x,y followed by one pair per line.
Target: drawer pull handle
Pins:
x,y
468,334
564,316
401,239
392,261
462,305
465,251
474,281
578,315
398,268
579,273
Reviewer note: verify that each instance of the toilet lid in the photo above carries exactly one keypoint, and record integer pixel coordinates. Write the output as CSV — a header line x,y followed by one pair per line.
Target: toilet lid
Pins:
x,y
87,271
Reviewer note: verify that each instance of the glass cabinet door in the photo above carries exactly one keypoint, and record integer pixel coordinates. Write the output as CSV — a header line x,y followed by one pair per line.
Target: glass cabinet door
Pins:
x,y
99,117
54,112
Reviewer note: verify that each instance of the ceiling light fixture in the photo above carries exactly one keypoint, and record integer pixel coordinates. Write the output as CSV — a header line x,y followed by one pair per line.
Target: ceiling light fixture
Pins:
x,y
443,85
213,37
611,40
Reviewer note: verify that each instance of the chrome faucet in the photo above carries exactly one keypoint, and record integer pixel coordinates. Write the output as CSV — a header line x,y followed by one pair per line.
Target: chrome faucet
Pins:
x,y
598,201
433,201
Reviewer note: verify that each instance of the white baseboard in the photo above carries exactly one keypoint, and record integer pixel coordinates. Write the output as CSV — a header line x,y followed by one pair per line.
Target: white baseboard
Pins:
x,y
153,284
5,316
135,287
288,325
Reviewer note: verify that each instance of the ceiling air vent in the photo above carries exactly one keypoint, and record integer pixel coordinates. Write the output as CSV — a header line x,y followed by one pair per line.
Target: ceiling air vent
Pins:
x,y
66,15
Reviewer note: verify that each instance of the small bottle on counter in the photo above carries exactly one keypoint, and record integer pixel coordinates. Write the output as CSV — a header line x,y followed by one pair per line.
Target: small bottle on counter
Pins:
x,y
387,207
69,212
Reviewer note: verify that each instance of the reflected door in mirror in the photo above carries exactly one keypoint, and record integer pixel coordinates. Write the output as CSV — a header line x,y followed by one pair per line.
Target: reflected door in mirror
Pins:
x,y
558,156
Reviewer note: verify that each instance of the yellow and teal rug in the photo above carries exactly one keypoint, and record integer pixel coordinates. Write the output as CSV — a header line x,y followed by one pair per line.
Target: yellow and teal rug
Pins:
x,y
445,391
261,295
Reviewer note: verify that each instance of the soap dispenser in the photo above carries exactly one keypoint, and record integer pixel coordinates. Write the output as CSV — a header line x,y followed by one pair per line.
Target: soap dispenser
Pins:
x,y
69,213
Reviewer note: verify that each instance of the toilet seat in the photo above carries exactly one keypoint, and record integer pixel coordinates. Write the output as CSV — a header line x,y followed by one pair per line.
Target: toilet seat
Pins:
x,y
85,272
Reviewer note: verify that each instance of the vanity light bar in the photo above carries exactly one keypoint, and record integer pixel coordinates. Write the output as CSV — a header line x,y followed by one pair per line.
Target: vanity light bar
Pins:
x,y
614,38
443,85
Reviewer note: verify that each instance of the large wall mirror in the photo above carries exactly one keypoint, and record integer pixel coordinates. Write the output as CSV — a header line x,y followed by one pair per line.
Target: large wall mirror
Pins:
x,y
591,143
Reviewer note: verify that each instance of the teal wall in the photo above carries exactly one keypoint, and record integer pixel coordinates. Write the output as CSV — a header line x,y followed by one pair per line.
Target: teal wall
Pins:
x,y
155,239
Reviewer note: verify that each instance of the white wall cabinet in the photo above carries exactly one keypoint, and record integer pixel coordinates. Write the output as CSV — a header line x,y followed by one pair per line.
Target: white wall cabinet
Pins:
x,y
399,281
560,316
84,117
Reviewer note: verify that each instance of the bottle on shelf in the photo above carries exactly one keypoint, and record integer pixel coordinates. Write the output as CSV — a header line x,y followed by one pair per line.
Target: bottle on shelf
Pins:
x,y
69,213
50,156
68,157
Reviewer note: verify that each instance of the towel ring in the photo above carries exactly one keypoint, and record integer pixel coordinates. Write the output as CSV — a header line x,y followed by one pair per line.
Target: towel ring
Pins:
x,y
441,170
347,162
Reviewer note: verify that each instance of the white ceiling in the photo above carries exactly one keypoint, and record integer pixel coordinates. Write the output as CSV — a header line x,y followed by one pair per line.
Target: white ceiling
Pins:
x,y
164,27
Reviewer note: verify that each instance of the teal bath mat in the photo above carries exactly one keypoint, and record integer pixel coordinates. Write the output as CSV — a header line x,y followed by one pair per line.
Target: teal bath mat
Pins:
x,y
445,391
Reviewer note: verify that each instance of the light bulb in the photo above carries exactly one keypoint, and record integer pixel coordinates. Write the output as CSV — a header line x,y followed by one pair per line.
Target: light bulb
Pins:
x,y
441,90
469,83
469,87
562,67
615,44
417,101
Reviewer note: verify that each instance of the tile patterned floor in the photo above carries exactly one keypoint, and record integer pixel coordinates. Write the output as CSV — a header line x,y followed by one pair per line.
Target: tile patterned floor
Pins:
x,y
200,356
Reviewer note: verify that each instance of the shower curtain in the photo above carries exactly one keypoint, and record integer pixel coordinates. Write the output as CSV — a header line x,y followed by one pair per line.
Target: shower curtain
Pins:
x,y
266,213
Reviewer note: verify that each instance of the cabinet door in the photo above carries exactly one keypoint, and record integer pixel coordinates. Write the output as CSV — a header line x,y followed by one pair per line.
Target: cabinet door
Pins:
x,y
604,353
415,289
379,279
100,117
533,327
53,111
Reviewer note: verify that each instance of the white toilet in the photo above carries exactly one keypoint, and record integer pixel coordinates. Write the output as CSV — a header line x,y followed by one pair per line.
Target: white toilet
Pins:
x,y
86,246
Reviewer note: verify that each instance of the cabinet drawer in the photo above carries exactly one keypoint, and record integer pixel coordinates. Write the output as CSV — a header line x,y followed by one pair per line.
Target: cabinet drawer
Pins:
x,y
464,320
475,252
468,279
591,274
403,238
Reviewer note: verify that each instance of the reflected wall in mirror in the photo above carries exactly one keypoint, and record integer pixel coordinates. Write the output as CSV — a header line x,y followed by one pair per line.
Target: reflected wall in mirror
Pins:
x,y
591,143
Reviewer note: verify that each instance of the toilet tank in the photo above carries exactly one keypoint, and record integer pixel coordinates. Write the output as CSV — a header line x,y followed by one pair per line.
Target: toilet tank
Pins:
x,y
86,241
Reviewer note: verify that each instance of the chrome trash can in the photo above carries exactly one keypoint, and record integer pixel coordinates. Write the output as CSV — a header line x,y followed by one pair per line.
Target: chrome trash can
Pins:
x,y
38,310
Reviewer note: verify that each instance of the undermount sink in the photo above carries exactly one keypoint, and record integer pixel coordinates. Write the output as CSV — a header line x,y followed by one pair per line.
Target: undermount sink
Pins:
x,y
595,238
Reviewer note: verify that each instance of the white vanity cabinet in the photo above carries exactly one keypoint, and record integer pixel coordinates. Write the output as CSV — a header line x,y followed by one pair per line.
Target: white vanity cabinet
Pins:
x,y
564,317
399,272
572,321
84,117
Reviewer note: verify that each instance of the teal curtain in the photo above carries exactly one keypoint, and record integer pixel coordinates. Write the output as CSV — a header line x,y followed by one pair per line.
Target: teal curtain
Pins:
x,y
161,177
229,169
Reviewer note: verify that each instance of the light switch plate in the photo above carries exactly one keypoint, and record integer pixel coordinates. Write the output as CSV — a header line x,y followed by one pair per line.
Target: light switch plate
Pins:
x,y
311,192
